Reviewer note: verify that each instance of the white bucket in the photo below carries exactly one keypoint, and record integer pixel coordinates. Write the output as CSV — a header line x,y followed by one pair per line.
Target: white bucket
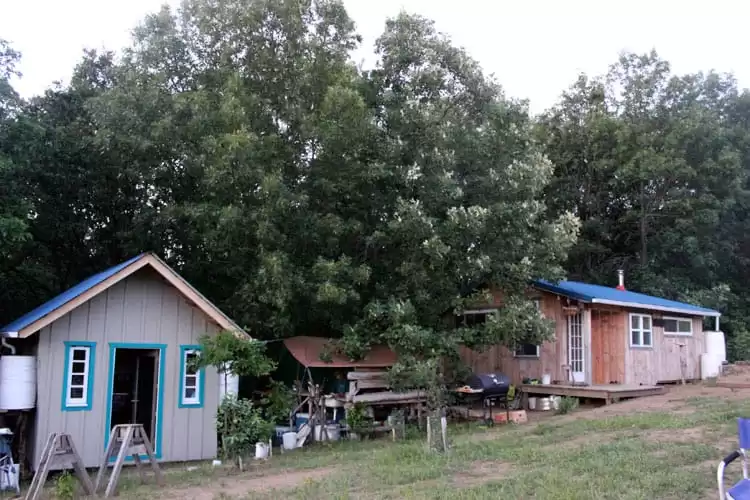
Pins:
x,y
546,379
555,400
289,440
261,451
333,431
532,403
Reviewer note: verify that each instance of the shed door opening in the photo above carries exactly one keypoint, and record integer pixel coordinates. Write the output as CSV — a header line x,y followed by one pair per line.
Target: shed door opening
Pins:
x,y
134,388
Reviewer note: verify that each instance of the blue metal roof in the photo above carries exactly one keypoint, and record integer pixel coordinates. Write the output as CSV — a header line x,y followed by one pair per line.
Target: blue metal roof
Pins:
x,y
65,297
607,295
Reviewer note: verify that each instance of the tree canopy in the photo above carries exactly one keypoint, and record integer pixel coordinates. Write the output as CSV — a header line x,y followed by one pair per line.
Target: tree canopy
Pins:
x,y
305,195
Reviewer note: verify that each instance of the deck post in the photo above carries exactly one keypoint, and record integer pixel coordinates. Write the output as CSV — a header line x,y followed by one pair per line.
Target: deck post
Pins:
x,y
589,362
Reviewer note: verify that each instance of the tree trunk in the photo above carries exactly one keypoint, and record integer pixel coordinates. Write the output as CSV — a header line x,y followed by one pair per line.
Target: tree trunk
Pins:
x,y
644,229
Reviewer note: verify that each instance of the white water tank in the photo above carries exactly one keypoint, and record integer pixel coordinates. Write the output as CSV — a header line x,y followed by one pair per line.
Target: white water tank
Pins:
x,y
228,383
715,354
710,366
17,382
716,345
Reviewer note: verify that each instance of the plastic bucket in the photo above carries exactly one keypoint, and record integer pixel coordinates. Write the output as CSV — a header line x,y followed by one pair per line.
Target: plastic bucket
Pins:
x,y
289,440
334,432
546,379
279,433
261,451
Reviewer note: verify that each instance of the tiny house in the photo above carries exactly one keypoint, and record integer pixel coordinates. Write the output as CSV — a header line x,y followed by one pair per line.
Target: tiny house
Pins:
x,y
116,349
603,335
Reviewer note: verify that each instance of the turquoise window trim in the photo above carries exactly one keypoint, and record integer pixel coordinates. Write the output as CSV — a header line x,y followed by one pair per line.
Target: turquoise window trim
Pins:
x,y
159,431
69,345
184,349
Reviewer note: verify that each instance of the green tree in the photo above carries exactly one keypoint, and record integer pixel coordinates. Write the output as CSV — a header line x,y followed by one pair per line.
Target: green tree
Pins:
x,y
649,162
307,197
15,208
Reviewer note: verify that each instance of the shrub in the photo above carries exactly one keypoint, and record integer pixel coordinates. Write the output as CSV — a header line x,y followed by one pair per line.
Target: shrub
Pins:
x,y
240,425
567,404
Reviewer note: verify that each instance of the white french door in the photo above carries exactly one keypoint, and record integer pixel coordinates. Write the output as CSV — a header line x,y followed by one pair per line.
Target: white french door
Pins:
x,y
576,356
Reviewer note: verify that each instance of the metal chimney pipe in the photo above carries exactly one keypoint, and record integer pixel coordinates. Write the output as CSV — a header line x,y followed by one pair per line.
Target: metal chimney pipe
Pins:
x,y
620,279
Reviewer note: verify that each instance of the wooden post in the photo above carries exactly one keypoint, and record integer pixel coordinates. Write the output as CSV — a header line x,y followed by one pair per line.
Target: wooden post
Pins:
x,y
23,471
444,432
429,435
683,363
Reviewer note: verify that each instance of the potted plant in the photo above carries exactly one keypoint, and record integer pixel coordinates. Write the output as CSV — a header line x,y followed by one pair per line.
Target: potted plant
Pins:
x,y
356,420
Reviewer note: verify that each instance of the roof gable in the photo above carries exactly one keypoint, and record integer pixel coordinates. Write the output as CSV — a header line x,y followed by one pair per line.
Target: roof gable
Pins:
x,y
598,294
62,304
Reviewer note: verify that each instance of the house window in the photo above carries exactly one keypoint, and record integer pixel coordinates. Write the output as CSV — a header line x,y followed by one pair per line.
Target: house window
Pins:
x,y
191,379
473,318
529,350
78,379
678,326
641,333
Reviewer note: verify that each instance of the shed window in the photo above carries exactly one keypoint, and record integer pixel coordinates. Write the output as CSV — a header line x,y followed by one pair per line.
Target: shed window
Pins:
x,y
641,332
678,326
191,379
78,378
529,350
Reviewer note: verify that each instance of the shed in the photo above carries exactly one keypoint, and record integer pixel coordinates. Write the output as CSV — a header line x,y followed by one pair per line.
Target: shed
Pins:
x,y
114,349
603,336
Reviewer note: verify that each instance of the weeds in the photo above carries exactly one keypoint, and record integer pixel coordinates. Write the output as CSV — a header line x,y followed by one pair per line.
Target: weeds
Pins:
x,y
65,486
567,405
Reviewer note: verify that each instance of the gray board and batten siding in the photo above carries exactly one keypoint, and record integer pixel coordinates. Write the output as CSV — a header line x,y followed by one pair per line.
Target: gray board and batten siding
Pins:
x,y
141,309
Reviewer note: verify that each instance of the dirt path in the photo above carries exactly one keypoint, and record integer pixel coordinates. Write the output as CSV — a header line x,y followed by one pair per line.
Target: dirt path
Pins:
x,y
236,487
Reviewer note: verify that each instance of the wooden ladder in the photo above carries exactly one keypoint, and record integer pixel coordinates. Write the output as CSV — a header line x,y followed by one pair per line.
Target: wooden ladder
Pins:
x,y
59,449
129,440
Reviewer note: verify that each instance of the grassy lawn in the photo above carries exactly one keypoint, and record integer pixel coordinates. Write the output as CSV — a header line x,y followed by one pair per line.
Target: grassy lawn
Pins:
x,y
669,454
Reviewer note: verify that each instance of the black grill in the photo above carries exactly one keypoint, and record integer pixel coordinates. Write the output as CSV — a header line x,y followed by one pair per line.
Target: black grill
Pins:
x,y
492,389
492,385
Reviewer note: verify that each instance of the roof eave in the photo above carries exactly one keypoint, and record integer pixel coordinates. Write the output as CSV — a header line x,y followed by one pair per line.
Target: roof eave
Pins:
x,y
9,335
561,291
676,310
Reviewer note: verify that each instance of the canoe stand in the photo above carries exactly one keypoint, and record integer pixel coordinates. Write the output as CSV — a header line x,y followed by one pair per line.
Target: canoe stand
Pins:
x,y
129,440
59,450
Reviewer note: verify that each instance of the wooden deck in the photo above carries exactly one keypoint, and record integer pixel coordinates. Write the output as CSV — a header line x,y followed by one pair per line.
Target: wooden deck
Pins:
x,y
607,392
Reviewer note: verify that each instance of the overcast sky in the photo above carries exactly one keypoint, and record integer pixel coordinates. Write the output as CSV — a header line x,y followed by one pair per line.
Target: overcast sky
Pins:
x,y
534,47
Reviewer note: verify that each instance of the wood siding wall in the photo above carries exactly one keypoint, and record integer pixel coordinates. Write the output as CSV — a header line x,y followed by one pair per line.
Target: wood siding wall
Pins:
x,y
661,363
551,358
607,346
141,309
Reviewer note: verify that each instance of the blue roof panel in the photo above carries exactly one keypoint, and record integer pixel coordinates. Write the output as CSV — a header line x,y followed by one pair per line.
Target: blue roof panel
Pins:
x,y
65,297
595,293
